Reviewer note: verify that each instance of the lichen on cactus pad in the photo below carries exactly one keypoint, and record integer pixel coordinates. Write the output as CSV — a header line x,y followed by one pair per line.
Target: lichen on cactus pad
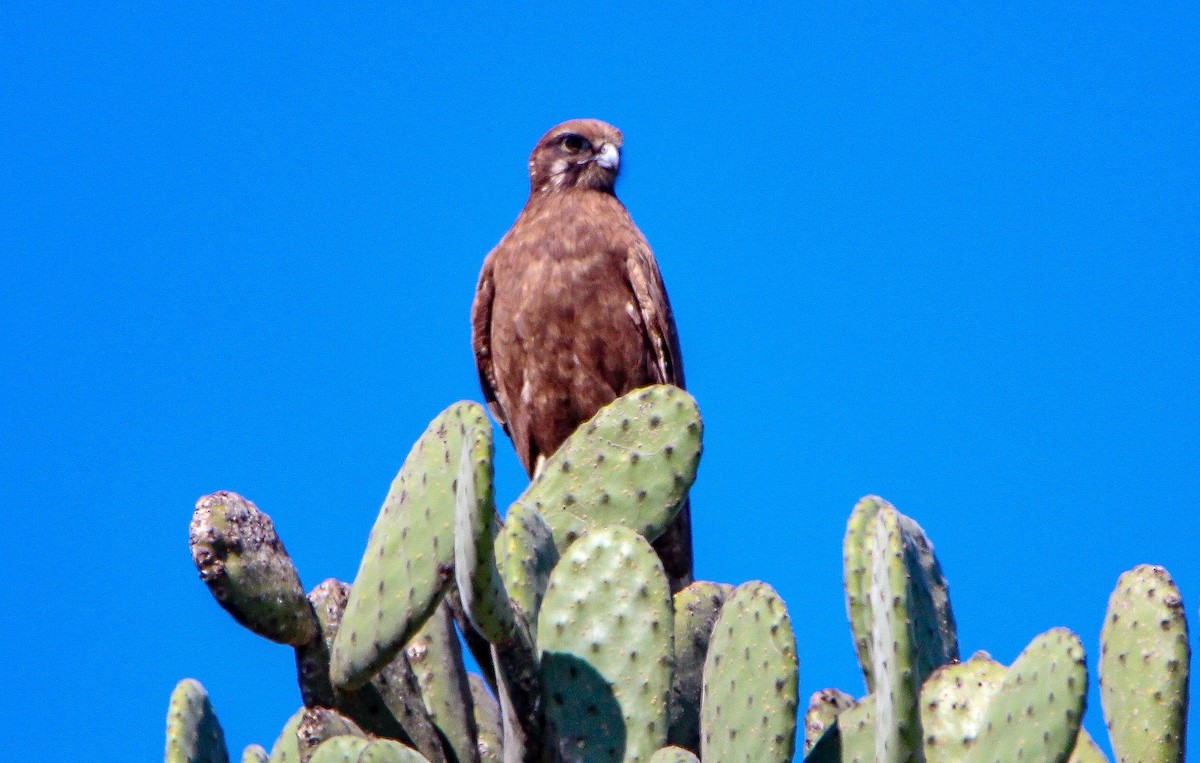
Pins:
x,y
244,564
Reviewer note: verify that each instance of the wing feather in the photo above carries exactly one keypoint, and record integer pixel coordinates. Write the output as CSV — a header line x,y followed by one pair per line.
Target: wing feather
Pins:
x,y
481,341
655,308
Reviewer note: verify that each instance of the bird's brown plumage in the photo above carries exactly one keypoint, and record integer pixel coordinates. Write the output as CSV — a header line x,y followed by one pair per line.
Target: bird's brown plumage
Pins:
x,y
570,311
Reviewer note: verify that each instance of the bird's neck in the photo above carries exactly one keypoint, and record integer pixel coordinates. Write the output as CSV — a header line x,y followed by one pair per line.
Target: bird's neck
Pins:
x,y
548,188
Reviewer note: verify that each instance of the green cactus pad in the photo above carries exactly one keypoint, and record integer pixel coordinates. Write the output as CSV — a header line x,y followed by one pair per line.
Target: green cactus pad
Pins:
x,y
410,555
930,617
436,659
1035,716
244,564
954,701
254,753
287,747
339,749
857,569
893,644
630,465
352,749
1086,750
934,631
389,751
487,720
823,709
1144,662
856,726
748,711
851,739
696,609
480,586
193,733
526,553
898,603
673,755
605,638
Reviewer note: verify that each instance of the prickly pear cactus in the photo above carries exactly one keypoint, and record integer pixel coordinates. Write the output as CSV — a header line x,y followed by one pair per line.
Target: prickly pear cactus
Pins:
x,y
319,724
490,741
254,753
437,663
390,705
193,733
851,738
480,585
899,608
673,755
1086,750
824,707
631,465
909,559
751,679
696,610
1144,659
527,554
389,751
584,655
606,644
339,749
287,747
410,554
954,701
857,570
1036,713
893,644
245,565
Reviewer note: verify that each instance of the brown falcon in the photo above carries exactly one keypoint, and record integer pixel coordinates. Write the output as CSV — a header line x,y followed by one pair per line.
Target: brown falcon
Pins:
x,y
570,311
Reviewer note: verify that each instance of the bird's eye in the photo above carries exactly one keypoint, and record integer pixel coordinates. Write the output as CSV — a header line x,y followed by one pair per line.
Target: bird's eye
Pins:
x,y
575,143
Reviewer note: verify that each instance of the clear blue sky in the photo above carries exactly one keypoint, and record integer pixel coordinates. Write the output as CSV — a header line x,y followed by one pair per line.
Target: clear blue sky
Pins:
x,y
945,255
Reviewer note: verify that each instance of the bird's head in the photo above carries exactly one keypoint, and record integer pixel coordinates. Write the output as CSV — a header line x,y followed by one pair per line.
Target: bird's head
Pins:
x,y
582,153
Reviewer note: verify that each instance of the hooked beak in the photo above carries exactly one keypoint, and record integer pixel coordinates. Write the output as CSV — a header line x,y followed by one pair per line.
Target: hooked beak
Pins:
x,y
609,157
